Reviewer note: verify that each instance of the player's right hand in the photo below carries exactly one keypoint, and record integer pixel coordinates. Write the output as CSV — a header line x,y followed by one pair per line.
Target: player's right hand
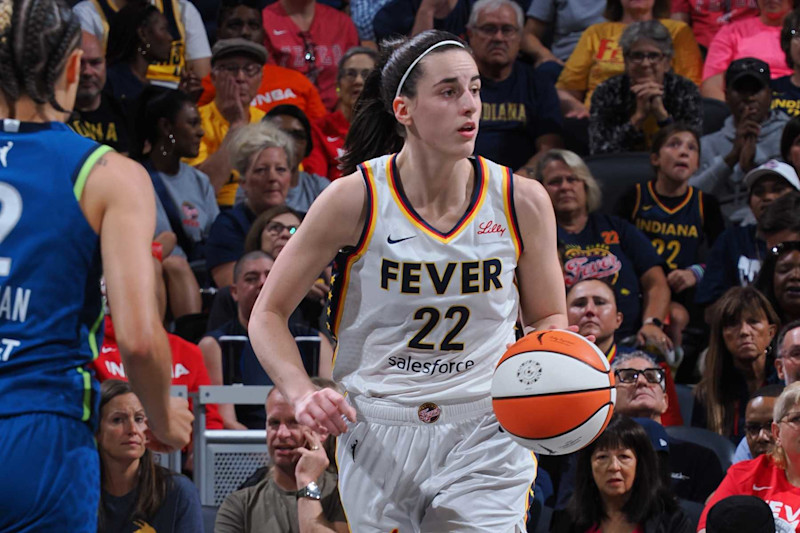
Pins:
x,y
177,433
322,411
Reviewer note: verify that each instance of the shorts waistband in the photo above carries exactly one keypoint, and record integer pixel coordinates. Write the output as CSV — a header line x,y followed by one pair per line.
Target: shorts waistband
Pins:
x,y
426,413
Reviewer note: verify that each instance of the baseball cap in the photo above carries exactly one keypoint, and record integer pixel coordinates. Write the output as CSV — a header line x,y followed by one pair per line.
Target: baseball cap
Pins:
x,y
656,432
747,67
736,514
237,45
773,167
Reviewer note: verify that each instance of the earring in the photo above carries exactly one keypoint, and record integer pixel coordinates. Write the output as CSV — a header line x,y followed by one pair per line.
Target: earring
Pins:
x,y
144,50
164,146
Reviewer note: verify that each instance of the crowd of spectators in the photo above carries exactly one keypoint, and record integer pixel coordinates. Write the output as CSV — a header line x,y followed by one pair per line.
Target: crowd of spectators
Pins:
x,y
701,255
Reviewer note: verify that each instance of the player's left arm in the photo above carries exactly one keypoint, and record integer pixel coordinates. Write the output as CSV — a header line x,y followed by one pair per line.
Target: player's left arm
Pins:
x,y
539,276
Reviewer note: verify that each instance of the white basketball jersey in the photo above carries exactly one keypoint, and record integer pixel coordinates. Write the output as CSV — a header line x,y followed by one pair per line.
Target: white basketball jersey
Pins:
x,y
422,315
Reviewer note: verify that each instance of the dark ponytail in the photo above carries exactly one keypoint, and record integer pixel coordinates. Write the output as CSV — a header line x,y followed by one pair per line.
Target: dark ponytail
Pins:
x,y
374,131
36,39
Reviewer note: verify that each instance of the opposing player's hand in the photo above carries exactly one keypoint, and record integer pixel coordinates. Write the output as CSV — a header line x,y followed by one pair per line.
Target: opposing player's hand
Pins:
x,y
178,431
322,410
313,459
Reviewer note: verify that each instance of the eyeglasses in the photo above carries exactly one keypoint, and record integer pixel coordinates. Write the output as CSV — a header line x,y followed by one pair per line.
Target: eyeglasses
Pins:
x,y
276,228
631,375
639,57
251,70
309,56
793,419
353,73
490,30
785,247
754,429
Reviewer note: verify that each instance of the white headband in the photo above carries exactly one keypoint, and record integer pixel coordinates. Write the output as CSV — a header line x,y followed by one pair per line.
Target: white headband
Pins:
x,y
419,58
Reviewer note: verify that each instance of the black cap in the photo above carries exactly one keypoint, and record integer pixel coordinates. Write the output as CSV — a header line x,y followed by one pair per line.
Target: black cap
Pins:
x,y
747,67
736,514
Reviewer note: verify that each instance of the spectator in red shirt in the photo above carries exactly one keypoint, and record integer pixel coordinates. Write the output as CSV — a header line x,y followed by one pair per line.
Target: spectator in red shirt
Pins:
x,y
309,37
328,134
774,477
279,85
188,367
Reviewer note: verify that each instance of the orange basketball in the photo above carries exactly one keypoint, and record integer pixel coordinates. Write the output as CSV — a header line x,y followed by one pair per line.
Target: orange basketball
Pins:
x,y
553,392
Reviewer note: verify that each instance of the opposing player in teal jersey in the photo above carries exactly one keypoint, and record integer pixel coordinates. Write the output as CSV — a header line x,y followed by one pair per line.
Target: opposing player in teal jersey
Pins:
x,y
66,203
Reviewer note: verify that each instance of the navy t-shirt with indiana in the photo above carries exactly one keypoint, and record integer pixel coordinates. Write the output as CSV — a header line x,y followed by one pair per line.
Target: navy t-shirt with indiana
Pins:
x,y
786,96
516,111
613,249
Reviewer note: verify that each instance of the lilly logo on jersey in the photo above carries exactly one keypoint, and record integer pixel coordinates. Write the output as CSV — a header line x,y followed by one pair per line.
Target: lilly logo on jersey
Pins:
x,y
490,227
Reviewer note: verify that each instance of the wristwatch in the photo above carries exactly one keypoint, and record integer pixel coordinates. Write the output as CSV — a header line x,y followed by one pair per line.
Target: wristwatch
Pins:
x,y
310,491
655,321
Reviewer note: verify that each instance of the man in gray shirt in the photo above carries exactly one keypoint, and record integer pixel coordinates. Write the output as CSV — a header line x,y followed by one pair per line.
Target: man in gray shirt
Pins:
x,y
749,137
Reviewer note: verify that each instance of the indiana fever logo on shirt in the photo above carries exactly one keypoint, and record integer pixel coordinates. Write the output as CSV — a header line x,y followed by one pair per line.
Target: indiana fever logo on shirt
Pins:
x,y
594,261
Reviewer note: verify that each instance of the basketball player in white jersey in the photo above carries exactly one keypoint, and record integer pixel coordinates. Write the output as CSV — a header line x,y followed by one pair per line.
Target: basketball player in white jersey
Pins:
x,y
437,254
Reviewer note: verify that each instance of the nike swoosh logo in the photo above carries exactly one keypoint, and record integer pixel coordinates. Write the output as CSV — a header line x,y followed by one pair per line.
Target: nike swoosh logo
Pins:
x,y
647,207
395,241
755,487
332,139
278,32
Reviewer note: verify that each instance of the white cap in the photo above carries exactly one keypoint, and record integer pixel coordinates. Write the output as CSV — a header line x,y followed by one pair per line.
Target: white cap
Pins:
x,y
773,167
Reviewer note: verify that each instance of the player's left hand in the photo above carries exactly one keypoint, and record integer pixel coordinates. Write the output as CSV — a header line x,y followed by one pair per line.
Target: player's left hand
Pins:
x,y
313,459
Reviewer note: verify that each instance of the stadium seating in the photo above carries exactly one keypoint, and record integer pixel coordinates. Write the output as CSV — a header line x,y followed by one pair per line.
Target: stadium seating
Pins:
x,y
616,173
686,402
720,445
714,114
223,459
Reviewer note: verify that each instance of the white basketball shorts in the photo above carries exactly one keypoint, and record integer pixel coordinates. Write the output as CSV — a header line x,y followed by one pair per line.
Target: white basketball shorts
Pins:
x,y
432,468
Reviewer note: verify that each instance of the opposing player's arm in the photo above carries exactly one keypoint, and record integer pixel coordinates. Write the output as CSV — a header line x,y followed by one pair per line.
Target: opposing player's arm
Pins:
x,y
335,221
539,276
119,203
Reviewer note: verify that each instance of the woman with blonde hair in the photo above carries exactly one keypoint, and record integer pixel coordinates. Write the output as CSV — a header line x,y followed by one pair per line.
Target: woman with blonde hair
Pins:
x,y
738,361
775,476
264,157
606,247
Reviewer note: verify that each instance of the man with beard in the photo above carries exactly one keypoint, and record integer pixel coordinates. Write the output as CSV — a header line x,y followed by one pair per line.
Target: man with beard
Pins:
x,y
97,115
521,117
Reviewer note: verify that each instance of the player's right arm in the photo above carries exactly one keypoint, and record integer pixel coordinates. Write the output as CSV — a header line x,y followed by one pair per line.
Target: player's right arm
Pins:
x,y
119,203
335,221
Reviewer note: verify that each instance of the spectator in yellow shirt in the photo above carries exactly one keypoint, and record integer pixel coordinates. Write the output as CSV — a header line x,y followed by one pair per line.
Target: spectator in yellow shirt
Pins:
x,y
598,55
236,67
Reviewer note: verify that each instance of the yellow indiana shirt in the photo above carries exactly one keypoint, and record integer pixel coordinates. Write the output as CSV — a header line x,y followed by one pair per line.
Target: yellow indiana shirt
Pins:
x,y
216,128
